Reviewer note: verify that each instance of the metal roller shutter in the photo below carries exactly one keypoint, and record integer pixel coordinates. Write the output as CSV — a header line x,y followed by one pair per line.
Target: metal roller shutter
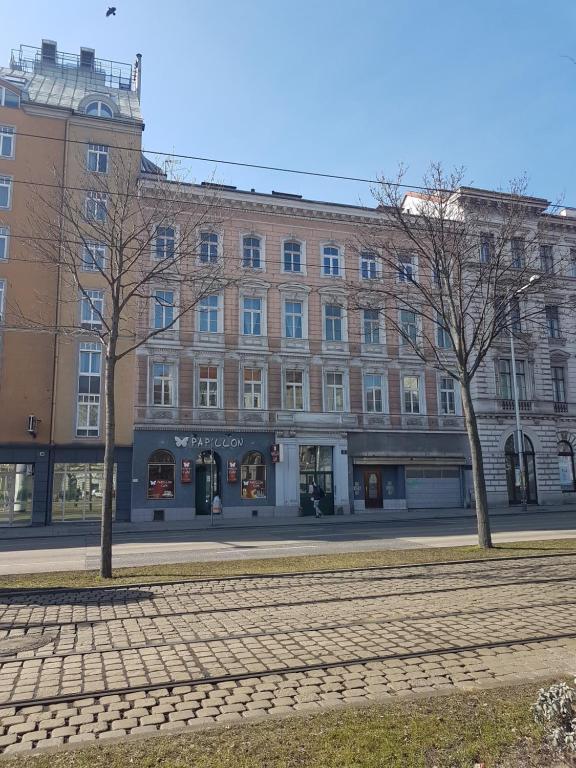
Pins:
x,y
433,487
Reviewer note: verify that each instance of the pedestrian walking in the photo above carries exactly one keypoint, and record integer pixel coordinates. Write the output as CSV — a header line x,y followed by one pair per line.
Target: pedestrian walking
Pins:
x,y
317,494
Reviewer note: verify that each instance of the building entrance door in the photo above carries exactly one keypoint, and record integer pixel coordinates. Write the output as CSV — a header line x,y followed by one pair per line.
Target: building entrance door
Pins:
x,y
207,481
316,469
373,488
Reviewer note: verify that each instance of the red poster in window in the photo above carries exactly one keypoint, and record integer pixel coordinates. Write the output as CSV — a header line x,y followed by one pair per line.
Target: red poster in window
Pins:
x,y
186,473
232,470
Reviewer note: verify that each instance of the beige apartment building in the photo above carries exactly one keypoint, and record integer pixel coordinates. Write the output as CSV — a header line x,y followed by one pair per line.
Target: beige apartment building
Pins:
x,y
64,120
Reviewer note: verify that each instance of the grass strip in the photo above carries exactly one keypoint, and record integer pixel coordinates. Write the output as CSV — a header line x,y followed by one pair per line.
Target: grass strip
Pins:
x,y
298,563
456,731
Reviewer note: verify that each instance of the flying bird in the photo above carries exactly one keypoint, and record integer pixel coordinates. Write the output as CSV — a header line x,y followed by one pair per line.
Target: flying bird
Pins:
x,y
111,11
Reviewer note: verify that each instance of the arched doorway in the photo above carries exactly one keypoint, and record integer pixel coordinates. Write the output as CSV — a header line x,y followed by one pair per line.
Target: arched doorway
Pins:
x,y
207,481
513,476
566,467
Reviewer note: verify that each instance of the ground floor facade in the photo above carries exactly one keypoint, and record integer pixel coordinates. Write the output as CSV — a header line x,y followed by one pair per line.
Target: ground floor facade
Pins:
x,y
174,474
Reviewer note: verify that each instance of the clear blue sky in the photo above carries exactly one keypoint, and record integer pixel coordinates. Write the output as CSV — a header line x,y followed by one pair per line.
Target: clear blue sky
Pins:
x,y
353,88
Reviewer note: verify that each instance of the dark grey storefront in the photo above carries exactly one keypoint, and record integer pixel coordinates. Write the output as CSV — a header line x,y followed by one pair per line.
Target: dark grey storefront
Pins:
x,y
176,474
396,471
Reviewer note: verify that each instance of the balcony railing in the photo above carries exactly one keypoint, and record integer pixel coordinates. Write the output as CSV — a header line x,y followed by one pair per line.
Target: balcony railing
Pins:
x,y
508,405
560,407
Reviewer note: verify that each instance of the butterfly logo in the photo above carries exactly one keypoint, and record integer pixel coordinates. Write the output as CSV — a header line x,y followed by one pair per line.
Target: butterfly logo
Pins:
x,y
181,442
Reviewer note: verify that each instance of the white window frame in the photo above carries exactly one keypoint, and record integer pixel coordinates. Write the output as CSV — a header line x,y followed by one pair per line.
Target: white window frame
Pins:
x,y
343,320
97,152
255,291
5,238
421,393
302,244
3,91
6,181
155,303
89,299
172,381
404,343
2,299
249,366
219,314
345,389
486,247
562,367
383,391
442,334
219,394
305,389
8,130
407,276
379,326
303,319
89,399
340,261
91,263
262,249
456,391
546,256
209,231
518,263
101,103
99,201
375,261
166,239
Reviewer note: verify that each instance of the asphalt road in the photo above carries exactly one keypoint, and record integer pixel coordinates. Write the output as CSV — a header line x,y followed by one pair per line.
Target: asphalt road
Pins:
x,y
29,555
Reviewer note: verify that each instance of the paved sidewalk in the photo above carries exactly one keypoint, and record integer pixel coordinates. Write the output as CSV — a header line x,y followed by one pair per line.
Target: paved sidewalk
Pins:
x,y
149,660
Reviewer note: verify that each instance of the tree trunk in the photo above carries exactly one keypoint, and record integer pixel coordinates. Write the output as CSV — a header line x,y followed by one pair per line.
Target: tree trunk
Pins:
x,y
482,516
109,444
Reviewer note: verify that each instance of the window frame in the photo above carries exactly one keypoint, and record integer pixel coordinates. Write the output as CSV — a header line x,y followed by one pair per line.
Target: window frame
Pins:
x,y
246,465
97,151
90,300
2,299
365,392
201,311
302,245
8,130
559,380
171,480
332,387
404,276
486,247
553,326
421,401
295,386
518,252
209,233
404,343
363,260
5,238
3,91
99,202
7,182
91,400
251,383
342,318
200,379
171,381
290,315
261,249
452,390
87,248
156,305
546,254
102,106
167,255
375,323
339,256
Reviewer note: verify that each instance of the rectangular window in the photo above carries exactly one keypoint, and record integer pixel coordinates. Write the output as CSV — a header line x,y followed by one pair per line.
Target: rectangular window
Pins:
x,y
447,395
77,492
406,269
572,265
411,394
408,326
505,375
515,316
373,392
443,340
163,380
5,192
96,206
331,261
252,388
97,158
251,252
89,382
292,257
2,298
163,308
208,247
164,242
517,250
333,322
8,98
294,390
208,386
208,314
558,384
546,259
93,257
6,141
371,326
368,266
4,240
293,315
92,309
252,316
486,248
553,322
334,391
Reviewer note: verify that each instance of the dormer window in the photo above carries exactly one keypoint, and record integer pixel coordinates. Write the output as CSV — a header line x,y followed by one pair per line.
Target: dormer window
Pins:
x,y
98,109
9,98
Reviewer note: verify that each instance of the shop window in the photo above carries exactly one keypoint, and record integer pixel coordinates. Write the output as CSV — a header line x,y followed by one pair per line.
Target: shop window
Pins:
x,y
161,468
16,491
77,492
253,476
566,466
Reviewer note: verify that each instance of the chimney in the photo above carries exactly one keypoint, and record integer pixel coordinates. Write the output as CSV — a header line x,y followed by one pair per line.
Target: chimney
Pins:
x,y
138,75
87,58
49,52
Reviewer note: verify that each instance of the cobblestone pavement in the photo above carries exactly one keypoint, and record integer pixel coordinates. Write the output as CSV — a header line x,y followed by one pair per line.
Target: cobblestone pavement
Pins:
x,y
156,658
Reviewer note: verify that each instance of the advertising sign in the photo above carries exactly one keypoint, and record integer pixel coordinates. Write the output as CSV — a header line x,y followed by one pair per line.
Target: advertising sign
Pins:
x,y
161,489
232,470
186,473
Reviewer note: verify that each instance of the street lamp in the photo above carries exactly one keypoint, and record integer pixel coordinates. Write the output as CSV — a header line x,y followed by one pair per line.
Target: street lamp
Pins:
x,y
519,434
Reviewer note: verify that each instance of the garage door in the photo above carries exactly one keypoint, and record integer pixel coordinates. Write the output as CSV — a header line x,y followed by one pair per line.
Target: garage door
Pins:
x,y
433,487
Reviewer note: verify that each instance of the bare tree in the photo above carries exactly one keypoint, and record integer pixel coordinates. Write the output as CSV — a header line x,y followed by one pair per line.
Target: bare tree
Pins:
x,y
458,261
137,240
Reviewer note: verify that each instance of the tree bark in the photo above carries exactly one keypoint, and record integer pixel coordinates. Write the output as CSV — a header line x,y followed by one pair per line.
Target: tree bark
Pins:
x,y
482,515
109,443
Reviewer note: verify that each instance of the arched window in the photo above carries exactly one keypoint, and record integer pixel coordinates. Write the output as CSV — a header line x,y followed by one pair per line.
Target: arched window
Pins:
x,y
253,476
292,256
251,252
514,472
566,466
161,468
98,109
